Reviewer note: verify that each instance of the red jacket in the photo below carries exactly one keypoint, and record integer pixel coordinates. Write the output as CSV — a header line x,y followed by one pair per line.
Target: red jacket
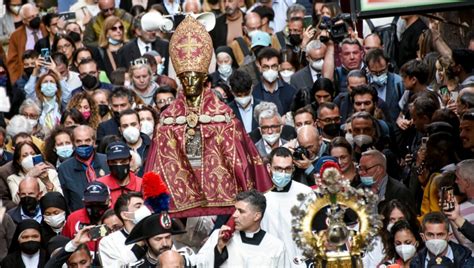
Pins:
x,y
134,185
72,226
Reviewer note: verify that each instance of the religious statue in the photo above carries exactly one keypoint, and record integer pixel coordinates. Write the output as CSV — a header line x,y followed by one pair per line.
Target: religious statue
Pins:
x,y
200,149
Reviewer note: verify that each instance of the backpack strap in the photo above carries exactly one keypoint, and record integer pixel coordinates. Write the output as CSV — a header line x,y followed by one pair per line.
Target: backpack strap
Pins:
x,y
243,46
370,24
281,40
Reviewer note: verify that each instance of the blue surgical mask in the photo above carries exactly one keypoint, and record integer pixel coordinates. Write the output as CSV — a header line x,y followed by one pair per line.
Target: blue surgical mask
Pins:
x,y
49,89
114,42
379,79
160,68
84,151
367,180
281,179
64,151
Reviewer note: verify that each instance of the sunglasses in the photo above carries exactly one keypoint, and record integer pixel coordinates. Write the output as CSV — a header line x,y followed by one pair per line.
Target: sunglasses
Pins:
x,y
115,28
112,9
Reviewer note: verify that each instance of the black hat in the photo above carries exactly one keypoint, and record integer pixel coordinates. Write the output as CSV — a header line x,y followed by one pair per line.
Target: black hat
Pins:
x,y
53,199
96,191
153,225
117,150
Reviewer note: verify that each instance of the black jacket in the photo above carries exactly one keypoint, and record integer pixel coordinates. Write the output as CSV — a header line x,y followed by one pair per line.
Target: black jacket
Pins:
x,y
14,260
109,127
130,52
462,257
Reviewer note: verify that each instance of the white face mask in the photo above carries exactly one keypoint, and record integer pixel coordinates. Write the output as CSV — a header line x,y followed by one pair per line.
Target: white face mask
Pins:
x,y
139,214
405,252
131,134
55,221
270,75
436,246
27,163
271,138
225,70
32,123
317,65
389,226
243,101
286,75
349,138
147,127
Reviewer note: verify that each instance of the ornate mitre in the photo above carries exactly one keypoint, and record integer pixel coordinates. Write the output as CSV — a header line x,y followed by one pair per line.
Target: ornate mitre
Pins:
x,y
190,47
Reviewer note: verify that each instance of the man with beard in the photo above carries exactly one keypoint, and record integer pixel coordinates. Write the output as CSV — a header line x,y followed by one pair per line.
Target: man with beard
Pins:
x,y
155,231
29,193
229,25
329,121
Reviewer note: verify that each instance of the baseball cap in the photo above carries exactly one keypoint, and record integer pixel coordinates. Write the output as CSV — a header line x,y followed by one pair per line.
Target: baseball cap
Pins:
x,y
117,150
260,38
96,191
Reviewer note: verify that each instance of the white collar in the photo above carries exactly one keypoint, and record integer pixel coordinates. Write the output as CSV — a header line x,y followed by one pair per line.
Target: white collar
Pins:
x,y
251,234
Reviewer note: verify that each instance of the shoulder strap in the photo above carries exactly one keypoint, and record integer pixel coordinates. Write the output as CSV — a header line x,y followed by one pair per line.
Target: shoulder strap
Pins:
x,y
243,46
281,40
371,24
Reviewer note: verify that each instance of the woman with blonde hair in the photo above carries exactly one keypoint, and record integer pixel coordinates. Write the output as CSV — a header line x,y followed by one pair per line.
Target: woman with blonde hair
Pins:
x,y
48,93
86,105
111,39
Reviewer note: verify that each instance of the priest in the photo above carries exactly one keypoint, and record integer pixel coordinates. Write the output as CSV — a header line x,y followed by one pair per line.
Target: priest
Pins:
x,y
200,149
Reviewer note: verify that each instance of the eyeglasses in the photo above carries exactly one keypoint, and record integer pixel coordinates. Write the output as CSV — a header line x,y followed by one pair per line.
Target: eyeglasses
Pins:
x,y
287,170
273,67
330,120
105,10
31,116
67,45
267,128
365,169
165,101
115,28
378,73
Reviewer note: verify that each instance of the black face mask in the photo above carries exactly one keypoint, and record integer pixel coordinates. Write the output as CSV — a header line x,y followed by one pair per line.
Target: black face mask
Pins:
x,y
75,36
95,212
89,82
29,205
295,39
120,171
28,71
103,109
30,247
332,130
35,23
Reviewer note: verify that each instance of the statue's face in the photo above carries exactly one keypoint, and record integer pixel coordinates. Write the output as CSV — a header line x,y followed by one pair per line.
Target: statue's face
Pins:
x,y
193,83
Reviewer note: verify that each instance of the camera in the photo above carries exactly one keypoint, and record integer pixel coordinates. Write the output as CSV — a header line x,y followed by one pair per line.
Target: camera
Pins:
x,y
337,27
299,152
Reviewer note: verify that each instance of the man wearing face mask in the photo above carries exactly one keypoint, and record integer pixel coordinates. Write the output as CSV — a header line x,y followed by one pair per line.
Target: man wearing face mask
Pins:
x,y
260,40
329,121
84,167
113,252
89,75
270,125
241,45
129,125
389,85
271,88
440,251
280,201
24,38
29,59
373,175
120,180
96,201
29,193
306,77
244,103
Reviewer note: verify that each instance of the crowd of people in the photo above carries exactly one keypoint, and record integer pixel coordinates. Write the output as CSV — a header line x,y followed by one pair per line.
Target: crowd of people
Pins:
x,y
85,93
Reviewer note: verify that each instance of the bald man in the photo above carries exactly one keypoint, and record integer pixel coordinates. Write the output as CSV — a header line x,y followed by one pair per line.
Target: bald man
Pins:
x,y
24,38
310,142
192,6
107,9
241,45
30,194
83,167
170,259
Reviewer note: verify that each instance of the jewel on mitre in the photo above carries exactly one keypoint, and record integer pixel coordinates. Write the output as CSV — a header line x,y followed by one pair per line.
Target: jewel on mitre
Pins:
x,y
155,192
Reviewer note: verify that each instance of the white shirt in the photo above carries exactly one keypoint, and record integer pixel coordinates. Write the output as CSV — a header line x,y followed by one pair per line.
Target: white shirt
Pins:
x,y
142,46
314,74
268,148
269,253
247,115
113,252
277,218
280,7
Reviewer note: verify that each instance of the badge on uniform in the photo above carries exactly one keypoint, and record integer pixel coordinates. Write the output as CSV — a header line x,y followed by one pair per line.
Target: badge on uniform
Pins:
x,y
165,220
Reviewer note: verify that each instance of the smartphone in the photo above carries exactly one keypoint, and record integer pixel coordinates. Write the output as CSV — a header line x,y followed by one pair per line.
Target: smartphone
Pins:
x,y
45,54
99,231
307,21
447,195
453,95
68,15
37,159
424,140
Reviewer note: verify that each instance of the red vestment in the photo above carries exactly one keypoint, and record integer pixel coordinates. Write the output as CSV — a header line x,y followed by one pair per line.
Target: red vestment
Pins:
x,y
230,162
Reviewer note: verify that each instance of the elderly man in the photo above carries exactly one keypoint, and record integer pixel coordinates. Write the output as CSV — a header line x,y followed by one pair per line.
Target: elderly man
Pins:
x,y
171,258
84,167
373,175
29,208
24,38
107,9
306,77
241,46
270,125
311,147
351,55
249,245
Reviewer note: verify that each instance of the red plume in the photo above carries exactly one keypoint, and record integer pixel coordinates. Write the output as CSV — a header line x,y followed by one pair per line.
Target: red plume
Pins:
x,y
329,164
153,185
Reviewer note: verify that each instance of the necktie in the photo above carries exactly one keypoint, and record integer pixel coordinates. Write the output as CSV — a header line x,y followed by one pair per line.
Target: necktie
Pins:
x,y
35,36
147,48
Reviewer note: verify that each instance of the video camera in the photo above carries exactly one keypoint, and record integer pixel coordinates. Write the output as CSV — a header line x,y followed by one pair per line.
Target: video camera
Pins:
x,y
337,27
